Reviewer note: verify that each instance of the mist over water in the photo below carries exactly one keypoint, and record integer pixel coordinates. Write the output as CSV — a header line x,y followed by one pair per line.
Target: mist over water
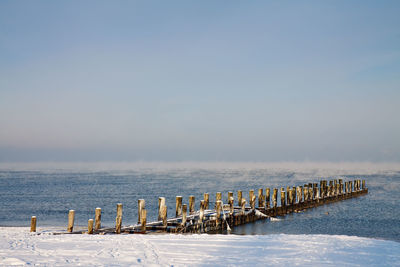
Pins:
x,y
49,191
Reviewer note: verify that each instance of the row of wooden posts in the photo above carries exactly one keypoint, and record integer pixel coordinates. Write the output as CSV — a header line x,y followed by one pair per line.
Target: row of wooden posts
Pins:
x,y
291,200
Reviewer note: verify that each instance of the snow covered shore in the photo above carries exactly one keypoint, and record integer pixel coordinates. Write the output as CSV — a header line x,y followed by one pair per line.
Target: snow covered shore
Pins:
x,y
19,247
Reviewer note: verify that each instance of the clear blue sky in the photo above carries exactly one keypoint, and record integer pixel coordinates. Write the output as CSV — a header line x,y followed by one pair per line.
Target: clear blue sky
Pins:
x,y
204,80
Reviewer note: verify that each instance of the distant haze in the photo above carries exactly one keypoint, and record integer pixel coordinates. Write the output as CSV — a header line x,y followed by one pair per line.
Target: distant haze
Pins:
x,y
199,81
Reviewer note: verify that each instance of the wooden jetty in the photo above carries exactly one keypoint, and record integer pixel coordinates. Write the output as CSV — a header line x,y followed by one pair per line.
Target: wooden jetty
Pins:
x,y
223,216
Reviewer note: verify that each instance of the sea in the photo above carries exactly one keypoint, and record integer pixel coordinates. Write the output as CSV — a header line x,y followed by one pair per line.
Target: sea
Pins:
x,y
49,190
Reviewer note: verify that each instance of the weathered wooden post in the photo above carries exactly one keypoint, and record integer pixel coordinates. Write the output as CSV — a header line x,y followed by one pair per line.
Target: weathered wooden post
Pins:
x,y
201,216
363,185
341,186
206,201
230,194
231,200
218,196
218,206
97,218
275,198
90,226
305,192
71,219
141,206
267,197
118,219
290,197
239,193
243,206
351,186
33,224
287,195
191,204
260,198
164,215
283,199
184,212
252,199
310,192
161,202
178,206
298,194
143,220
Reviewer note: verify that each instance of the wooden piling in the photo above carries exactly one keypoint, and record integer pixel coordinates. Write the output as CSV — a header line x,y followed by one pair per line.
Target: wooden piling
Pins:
x,y
90,226
143,220
97,218
178,206
230,194
252,199
191,204
267,197
243,206
231,207
141,206
218,196
118,224
206,201
239,193
260,198
161,202
33,224
363,185
283,198
201,216
275,198
164,215
118,219
71,219
184,212
305,190
218,207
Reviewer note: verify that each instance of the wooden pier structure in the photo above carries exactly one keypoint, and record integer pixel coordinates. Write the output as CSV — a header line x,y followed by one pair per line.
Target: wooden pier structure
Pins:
x,y
223,216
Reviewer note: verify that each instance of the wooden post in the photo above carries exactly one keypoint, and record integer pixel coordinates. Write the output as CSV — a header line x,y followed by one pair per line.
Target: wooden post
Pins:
x,y
71,219
33,224
275,197
90,226
283,199
290,196
118,219
184,212
231,200
141,206
218,196
218,206
267,197
201,217
143,220
118,224
206,201
191,204
230,194
178,206
260,198
161,202
310,192
239,193
363,185
287,195
300,194
243,206
252,199
97,218
305,193
351,186
164,215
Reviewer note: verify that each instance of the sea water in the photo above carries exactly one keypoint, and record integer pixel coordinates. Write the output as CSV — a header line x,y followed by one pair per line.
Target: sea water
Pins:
x,y
50,191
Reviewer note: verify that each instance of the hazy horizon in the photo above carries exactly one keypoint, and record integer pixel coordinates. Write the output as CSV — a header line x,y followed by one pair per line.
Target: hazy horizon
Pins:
x,y
200,81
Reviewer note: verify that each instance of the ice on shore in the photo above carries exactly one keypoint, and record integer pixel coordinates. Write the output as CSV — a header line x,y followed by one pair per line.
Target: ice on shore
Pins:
x,y
19,247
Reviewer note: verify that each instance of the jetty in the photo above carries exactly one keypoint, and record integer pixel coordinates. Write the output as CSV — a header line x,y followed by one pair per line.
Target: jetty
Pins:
x,y
221,217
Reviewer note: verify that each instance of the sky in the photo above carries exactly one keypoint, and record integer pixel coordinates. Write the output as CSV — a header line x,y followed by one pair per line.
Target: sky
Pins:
x,y
199,81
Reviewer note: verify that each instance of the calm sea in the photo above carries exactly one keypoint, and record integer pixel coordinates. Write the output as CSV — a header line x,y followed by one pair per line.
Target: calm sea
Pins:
x,y
50,191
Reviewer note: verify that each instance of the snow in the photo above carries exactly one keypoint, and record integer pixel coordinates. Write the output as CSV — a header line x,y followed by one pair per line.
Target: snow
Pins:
x,y
19,247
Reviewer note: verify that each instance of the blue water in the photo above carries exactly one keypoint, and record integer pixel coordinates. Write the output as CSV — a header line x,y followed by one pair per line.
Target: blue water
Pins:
x,y
49,194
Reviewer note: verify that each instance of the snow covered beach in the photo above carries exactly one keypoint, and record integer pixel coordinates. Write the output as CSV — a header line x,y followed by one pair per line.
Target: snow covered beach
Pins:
x,y
19,247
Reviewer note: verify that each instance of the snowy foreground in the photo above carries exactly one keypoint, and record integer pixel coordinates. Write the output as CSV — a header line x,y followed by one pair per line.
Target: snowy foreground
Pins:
x,y
19,247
